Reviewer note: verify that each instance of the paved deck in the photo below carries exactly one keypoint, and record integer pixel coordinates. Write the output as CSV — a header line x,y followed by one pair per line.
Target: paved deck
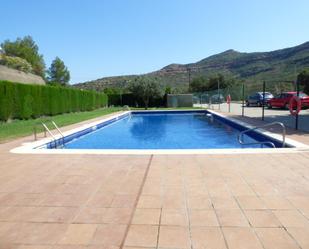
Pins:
x,y
161,201
271,115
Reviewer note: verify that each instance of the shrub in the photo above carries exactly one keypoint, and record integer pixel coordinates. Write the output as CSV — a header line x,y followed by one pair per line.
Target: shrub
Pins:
x,y
16,63
22,101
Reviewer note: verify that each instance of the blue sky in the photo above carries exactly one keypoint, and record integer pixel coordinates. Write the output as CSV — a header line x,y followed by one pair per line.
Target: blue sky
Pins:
x,y
97,38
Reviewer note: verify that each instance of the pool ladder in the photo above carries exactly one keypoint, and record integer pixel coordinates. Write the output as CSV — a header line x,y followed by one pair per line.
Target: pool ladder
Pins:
x,y
241,135
127,108
46,129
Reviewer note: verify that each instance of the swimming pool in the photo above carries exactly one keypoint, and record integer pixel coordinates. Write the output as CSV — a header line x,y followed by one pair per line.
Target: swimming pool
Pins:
x,y
163,130
159,132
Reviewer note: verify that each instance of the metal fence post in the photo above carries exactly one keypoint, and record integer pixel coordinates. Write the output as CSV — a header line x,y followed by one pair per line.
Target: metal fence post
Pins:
x,y
243,100
296,117
263,104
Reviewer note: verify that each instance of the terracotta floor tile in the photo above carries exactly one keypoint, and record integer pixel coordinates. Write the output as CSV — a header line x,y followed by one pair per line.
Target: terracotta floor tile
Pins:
x,y
117,215
205,237
83,247
196,190
275,238
149,201
276,202
39,233
199,202
109,235
90,215
79,234
174,202
174,217
21,199
172,190
232,218
132,247
224,203
265,189
300,202
241,238
146,216
262,218
291,218
142,236
30,247
8,233
203,218
101,199
124,201
18,214
174,237
64,200
151,189
218,190
241,190
51,214
250,202
300,235
305,213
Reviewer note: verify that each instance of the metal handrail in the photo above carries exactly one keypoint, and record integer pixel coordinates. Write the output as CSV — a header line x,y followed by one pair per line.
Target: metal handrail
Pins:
x,y
50,133
126,107
57,128
46,129
240,135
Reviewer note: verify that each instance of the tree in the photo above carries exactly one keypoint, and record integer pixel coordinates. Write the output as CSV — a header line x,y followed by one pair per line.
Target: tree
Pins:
x,y
303,80
113,90
145,88
27,49
198,84
168,90
58,72
219,81
202,84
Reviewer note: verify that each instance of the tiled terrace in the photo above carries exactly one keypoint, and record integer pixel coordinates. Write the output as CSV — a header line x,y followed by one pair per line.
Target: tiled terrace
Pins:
x,y
161,201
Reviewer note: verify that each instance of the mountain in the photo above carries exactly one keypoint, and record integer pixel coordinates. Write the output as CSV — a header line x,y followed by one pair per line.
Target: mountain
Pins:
x,y
278,65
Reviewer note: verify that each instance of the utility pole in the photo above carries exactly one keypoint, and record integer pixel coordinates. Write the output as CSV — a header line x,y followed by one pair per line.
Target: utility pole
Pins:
x,y
189,75
263,105
219,97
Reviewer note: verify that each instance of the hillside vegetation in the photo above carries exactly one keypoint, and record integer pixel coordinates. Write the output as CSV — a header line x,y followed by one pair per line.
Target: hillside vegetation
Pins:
x,y
279,65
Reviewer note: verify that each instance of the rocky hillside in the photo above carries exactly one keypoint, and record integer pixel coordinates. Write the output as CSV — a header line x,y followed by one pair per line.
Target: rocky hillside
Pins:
x,y
279,65
13,75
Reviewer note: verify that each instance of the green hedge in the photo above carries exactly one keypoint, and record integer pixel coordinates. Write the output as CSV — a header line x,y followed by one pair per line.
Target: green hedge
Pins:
x,y
130,100
21,101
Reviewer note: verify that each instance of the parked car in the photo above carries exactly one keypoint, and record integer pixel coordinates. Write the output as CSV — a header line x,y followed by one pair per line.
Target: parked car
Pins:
x,y
217,99
256,99
282,100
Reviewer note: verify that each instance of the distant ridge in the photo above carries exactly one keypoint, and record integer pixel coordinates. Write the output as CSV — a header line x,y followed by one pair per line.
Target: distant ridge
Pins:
x,y
279,65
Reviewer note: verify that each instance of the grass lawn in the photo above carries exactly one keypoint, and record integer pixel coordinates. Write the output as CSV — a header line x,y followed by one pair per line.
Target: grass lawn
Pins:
x,y
21,128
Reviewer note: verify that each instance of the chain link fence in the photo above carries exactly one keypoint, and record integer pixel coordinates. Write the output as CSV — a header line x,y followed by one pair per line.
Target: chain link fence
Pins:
x,y
247,100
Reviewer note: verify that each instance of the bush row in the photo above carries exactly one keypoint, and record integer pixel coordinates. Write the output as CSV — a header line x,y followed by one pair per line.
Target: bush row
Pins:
x,y
131,100
21,101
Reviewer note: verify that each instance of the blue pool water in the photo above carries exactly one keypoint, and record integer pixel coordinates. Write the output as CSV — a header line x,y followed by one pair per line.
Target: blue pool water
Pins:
x,y
190,130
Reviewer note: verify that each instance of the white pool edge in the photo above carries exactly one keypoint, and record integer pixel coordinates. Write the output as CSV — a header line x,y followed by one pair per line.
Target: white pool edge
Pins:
x,y
32,147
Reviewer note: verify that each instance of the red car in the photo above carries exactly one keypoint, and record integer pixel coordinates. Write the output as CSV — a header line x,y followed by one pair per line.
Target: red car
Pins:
x,y
282,100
